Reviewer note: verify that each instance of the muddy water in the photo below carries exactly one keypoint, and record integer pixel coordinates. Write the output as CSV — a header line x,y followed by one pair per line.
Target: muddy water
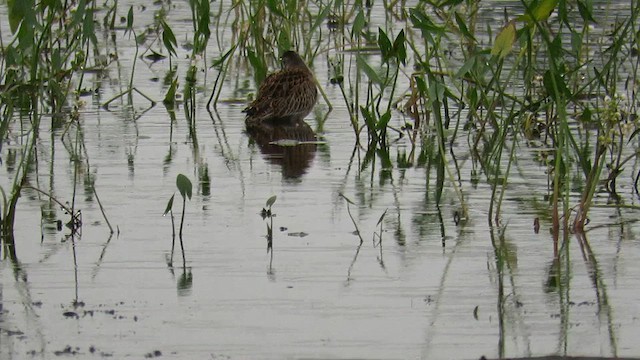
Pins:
x,y
433,290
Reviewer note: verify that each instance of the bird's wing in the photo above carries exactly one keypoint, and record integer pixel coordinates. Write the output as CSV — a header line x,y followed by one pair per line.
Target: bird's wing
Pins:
x,y
283,94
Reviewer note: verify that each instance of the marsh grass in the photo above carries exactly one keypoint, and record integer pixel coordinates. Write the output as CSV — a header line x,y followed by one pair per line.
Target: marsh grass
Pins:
x,y
45,59
428,73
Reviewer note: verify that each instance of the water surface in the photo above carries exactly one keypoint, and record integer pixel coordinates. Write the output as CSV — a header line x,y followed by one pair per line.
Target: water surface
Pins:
x,y
435,288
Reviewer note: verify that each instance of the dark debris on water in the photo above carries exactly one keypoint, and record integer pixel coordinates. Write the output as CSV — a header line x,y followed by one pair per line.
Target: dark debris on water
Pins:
x,y
153,354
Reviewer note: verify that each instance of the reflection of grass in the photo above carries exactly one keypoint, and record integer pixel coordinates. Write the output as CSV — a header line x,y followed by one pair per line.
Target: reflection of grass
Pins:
x,y
267,214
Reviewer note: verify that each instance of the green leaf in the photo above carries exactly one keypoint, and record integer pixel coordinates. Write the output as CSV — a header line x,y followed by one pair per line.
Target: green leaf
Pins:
x,y
79,15
368,117
449,3
19,10
385,45
170,97
169,205
140,39
463,27
385,158
184,186
420,20
548,81
576,43
271,201
272,5
224,57
284,42
88,26
168,38
544,9
504,41
400,48
384,120
259,66
130,18
585,12
586,116
204,14
371,74
382,216
358,24
555,48
436,90
466,67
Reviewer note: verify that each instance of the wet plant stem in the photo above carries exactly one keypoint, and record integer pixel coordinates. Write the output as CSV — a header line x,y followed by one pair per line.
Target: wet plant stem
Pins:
x,y
354,223
184,206
135,58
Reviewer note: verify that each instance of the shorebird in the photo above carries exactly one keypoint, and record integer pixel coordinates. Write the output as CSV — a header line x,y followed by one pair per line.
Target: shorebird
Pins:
x,y
284,97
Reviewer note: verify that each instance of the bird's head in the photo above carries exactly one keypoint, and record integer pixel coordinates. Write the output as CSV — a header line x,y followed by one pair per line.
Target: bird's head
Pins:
x,y
291,60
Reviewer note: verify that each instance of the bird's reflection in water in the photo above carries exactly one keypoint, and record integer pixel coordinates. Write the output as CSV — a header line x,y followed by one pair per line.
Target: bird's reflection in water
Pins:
x,y
290,145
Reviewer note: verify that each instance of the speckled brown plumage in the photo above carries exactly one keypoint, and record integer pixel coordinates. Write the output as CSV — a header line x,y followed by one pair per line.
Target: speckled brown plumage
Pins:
x,y
286,96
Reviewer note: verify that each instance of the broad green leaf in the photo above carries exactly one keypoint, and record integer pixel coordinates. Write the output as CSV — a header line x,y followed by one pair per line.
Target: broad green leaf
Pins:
x,y
141,38
555,48
184,186
576,43
271,201
436,91
259,67
463,27
169,205
549,80
472,96
368,117
421,84
284,42
585,11
400,48
384,120
130,18
88,26
544,9
385,158
420,20
448,3
79,14
204,14
18,11
273,7
587,115
358,24
504,41
170,97
466,67
385,45
371,74
168,38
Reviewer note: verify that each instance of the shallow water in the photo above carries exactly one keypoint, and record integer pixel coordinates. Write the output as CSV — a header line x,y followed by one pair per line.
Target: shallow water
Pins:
x,y
434,290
